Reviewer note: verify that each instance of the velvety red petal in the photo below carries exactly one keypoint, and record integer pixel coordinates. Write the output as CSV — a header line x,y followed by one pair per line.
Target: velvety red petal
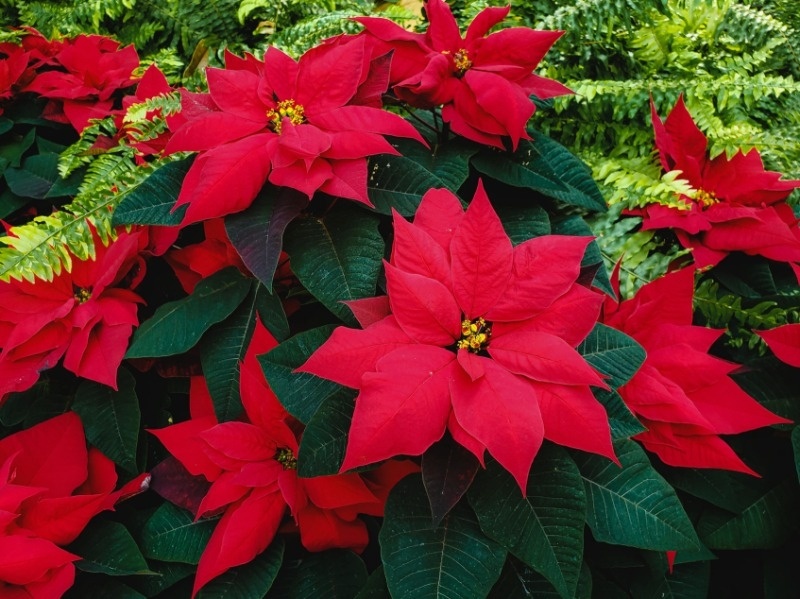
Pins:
x,y
360,350
501,411
683,142
337,491
366,119
324,529
348,179
443,33
439,215
369,310
183,441
221,493
280,77
244,531
424,308
104,349
61,519
403,408
240,441
731,410
27,559
236,92
481,258
328,76
784,342
516,48
212,130
543,357
416,252
485,20
574,418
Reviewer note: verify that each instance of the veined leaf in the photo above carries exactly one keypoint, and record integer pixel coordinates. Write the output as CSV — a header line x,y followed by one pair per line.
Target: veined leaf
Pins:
x,y
333,574
106,547
325,436
454,559
253,579
151,202
172,535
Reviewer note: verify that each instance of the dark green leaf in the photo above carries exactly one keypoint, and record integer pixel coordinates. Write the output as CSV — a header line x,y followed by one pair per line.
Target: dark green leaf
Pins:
x,y
221,353
35,177
11,152
767,522
111,418
172,535
107,547
623,423
337,257
796,449
575,225
270,310
448,469
613,353
453,560
687,581
325,436
257,233
151,202
250,581
544,529
523,222
167,574
633,505
9,201
523,168
399,182
177,326
376,586
774,384
731,491
5,125
518,581
101,587
330,575
300,393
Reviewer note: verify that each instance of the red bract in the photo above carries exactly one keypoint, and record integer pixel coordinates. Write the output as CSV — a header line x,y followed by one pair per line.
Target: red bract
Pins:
x,y
480,341
85,316
251,465
483,82
681,394
784,342
50,488
13,63
299,124
89,69
738,206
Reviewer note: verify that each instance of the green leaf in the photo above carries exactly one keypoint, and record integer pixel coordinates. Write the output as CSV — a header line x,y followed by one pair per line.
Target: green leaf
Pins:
x,y
731,491
686,581
518,581
337,257
111,418
257,233
107,547
448,470
90,586
324,439
613,353
544,529
35,177
172,535
523,222
453,560
166,575
151,202
11,153
623,423
796,449
5,125
9,201
177,326
300,393
252,580
571,171
399,182
332,574
767,522
375,587
271,312
523,168
221,353
633,505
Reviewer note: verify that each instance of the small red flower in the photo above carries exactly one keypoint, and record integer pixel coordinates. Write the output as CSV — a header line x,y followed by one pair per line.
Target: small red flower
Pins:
x,y
50,488
85,316
299,124
89,70
681,394
480,341
737,206
483,82
251,465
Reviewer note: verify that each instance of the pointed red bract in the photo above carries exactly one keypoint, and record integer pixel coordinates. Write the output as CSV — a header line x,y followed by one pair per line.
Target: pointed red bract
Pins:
x,y
303,125
682,395
475,324
482,80
737,206
784,341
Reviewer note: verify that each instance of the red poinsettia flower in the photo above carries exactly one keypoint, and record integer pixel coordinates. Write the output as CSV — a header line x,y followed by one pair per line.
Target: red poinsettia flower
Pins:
x,y
50,488
85,316
251,465
13,63
300,124
681,394
784,341
483,82
90,69
737,205
480,341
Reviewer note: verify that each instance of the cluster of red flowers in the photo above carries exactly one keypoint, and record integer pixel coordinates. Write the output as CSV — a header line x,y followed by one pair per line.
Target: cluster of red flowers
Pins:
x,y
77,76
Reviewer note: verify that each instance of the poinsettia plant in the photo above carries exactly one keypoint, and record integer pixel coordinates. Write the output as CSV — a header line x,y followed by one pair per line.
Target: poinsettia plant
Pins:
x,y
334,325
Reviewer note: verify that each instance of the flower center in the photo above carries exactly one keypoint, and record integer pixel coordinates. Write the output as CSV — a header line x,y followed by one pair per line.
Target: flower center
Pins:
x,y
475,335
705,198
286,109
285,458
461,60
82,294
